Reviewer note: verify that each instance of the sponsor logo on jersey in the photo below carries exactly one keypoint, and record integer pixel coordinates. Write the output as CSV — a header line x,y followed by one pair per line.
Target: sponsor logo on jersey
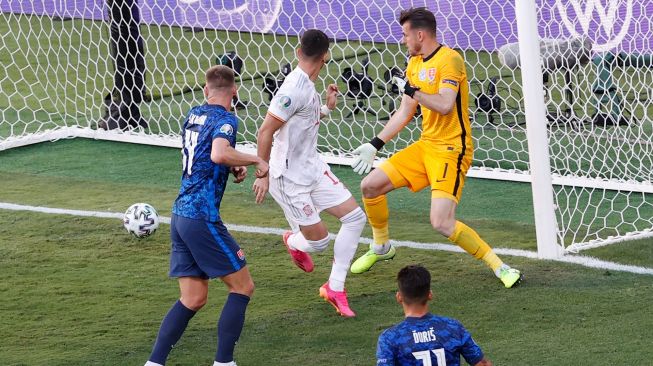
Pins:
x,y
308,210
451,82
240,254
431,74
422,75
284,101
227,129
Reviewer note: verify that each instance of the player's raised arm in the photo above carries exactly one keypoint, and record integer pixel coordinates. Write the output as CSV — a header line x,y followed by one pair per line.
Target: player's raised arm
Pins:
x,y
331,100
364,154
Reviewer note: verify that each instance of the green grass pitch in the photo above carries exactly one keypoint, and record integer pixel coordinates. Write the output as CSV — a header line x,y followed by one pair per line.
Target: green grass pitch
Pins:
x,y
80,291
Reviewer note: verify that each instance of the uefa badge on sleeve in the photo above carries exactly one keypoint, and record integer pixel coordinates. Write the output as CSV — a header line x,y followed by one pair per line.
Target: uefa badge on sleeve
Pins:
x,y
226,129
284,101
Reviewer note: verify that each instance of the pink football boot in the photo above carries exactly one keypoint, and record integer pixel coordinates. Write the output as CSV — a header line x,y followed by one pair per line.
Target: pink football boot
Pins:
x,y
303,260
338,299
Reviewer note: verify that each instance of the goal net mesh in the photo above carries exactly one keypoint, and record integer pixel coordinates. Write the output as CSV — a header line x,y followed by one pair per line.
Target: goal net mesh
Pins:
x,y
136,67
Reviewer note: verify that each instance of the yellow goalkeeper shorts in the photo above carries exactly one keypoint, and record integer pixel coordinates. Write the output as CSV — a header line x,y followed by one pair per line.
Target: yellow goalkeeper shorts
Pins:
x,y
423,163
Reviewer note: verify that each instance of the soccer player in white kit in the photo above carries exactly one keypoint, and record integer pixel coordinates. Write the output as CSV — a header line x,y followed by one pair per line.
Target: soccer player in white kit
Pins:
x,y
299,181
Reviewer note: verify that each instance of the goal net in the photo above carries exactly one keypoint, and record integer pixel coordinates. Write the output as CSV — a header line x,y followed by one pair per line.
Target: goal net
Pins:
x,y
134,68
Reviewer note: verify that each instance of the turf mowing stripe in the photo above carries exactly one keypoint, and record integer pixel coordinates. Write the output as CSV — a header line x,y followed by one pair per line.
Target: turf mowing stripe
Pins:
x,y
574,259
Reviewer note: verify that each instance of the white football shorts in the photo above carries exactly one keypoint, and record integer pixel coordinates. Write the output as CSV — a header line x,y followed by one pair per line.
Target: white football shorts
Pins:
x,y
302,204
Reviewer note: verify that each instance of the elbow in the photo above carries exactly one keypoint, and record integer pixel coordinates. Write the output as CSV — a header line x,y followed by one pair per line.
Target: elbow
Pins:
x,y
216,159
448,106
219,157
444,110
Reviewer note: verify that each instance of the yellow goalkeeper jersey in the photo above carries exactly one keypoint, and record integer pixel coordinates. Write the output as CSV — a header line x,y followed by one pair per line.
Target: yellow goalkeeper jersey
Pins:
x,y
444,68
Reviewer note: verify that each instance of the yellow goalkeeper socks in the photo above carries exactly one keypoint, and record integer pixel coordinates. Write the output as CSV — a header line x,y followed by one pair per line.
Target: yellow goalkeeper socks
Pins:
x,y
377,214
466,238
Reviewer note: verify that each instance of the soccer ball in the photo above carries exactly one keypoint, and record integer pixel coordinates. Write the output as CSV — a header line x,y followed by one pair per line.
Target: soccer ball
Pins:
x,y
141,220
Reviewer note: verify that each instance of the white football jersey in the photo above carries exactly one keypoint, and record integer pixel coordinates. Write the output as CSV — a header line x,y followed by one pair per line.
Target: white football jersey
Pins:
x,y
294,149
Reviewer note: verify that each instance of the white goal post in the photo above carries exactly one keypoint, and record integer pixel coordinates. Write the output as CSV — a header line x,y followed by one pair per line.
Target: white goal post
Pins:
x,y
560,91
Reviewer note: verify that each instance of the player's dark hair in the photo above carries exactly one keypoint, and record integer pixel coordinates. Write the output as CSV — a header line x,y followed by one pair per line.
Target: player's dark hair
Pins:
x,y
419,18
314,43
220,76
414,284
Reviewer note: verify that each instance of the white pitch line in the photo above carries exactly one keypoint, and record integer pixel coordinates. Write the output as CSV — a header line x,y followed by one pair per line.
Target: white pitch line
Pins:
x,y
573,259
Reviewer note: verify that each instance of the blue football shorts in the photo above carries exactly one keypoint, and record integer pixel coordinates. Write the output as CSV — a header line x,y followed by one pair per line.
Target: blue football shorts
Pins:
x,y
203,249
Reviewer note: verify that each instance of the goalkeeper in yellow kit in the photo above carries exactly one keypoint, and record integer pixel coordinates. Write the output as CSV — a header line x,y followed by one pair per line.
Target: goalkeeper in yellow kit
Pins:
x,y
440,159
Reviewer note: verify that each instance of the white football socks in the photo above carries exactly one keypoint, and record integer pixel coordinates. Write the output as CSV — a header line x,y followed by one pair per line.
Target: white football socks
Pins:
x,y
298,242
345,247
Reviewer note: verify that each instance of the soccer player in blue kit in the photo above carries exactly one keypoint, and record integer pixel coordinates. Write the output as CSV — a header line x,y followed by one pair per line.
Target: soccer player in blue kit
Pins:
x,y
424,339
202,248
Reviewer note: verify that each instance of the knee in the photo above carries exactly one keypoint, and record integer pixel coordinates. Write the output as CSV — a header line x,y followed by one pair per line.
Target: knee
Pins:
x,y
443,225
248,288
245,288
194,302
369,188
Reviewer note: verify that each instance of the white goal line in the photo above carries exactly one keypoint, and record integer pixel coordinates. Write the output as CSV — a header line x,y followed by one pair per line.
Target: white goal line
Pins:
x,y
574,259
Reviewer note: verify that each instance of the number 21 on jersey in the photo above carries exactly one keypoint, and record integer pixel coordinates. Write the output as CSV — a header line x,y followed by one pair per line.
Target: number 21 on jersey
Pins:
x,y
188,151
425,357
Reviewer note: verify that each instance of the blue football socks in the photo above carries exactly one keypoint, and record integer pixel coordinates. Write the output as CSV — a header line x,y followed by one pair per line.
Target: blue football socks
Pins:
x,y
230,325
172,327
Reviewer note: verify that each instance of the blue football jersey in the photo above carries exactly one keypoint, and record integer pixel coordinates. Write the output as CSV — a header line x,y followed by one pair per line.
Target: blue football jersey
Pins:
x,y
202,181
427,341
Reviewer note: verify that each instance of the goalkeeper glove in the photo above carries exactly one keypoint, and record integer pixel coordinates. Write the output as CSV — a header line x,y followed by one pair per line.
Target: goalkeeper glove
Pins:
x,y
365,155
404,87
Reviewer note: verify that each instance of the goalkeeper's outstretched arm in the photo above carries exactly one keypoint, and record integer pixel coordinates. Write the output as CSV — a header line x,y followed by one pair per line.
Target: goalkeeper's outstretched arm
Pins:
x,y
399,119
364,154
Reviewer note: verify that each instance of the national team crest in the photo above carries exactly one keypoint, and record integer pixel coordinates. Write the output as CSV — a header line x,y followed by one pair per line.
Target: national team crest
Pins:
x,y
308,210
241,254
431,74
